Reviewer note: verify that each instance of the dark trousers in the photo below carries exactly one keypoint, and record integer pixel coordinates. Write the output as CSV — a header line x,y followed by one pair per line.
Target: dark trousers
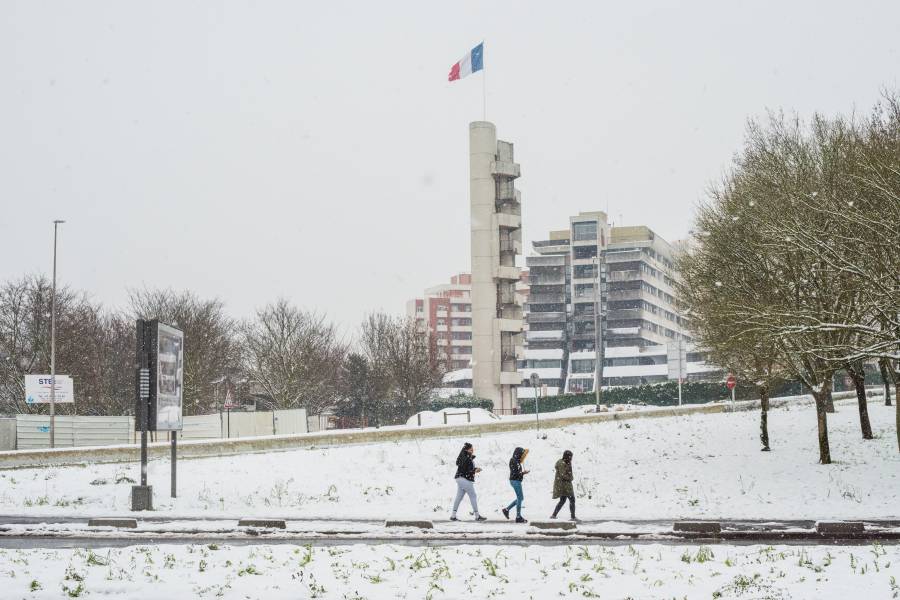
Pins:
x,y
562,501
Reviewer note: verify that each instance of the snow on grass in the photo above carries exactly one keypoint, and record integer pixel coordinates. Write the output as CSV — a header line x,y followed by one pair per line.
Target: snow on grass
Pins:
x,y
699,466
386,571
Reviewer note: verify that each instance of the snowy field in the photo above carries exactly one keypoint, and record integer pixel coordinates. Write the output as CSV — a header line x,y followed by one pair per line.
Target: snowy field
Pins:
x,y
674,467
474,572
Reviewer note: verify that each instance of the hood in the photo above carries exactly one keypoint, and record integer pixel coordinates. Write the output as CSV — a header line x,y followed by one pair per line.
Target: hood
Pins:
x,y
567,456
519,454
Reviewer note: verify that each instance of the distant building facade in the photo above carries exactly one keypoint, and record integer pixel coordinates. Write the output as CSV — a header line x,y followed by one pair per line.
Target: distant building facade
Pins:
x,y
625,272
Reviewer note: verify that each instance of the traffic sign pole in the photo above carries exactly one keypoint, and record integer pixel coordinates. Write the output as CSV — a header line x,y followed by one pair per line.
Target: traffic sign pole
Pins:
x,y
731,384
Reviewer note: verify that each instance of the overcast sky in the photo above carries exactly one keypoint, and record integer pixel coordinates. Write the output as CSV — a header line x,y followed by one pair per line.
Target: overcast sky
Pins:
x,y
316,151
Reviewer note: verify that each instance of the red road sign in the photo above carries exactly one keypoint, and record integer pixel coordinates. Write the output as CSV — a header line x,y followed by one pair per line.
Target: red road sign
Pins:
x,y
730,382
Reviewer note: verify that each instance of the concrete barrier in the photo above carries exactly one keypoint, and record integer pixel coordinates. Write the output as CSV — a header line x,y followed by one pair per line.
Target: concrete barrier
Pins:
x,y
411,524
698,527
120,523
278,443
564,525
263,523
838,528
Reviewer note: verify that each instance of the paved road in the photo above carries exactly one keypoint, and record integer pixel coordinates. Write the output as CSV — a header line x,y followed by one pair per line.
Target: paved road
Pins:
x,y
26,531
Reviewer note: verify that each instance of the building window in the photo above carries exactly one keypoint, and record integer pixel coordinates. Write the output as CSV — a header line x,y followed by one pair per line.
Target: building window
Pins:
x,y
462,335
585,231
584,290
585,272
582,252
578,386
461,322
582,365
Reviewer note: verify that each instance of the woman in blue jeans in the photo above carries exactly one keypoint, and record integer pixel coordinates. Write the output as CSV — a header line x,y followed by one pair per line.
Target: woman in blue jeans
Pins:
x,y
516,475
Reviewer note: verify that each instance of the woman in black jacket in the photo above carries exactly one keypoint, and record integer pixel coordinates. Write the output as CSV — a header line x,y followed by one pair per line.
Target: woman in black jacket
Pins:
x,y
465,480
516,475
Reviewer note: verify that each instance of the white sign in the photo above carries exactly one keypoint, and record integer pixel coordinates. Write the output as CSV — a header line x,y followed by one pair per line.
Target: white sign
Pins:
x,y
677,360
37,389
169,378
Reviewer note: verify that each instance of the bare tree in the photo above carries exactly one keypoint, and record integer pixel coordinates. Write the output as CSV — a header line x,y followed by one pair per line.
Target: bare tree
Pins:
x,y
25,343
210,339
404,365
294,355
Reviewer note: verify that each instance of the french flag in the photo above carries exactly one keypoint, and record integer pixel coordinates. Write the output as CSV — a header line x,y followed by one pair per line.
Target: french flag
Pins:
x,y
471,62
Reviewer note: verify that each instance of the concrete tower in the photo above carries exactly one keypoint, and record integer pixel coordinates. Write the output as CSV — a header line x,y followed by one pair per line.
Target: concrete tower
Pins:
x,y
496,241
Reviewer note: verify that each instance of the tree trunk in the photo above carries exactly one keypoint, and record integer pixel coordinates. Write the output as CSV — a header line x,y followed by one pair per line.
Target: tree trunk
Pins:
x,y
858,375
895,374
764,417
883,367
822,396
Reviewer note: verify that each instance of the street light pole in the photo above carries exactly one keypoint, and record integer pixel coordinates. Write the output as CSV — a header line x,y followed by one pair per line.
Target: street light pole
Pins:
x,y
535,381
56,224
598,355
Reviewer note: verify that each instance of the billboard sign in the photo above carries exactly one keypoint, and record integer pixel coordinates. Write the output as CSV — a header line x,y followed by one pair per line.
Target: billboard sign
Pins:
x,y
167,373
676,359
37,389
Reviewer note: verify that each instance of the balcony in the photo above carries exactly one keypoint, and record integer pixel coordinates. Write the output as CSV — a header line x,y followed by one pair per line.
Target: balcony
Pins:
x,y
544,278
507,273
545,261
618,257
509,297
512,353
509,221
622,314
514,246
624,276
559,298
502,168
510,325
545,335
510,378
546,317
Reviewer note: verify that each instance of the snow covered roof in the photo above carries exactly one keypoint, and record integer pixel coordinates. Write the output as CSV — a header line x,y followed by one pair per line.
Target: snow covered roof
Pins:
x,y
458,375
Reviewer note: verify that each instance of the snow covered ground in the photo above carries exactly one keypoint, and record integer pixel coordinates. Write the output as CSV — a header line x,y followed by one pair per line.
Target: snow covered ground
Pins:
x,y
700,466
386,572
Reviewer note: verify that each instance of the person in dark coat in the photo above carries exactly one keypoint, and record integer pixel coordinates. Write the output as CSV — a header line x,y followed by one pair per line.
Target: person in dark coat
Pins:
x,y
562,485
516,474
465,480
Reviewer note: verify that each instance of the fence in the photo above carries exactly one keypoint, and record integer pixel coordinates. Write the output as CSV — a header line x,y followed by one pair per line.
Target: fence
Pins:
x,y
33,431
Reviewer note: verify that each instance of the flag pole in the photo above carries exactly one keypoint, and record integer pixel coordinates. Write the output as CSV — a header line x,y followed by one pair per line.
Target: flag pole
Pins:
x,y
483,94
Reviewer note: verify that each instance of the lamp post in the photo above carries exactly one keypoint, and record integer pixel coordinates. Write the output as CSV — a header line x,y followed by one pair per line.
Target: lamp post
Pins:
x,y
598,353
56,224
535,381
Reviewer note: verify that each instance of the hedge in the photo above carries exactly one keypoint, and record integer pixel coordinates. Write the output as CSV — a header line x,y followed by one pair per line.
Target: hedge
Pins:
x,y
661,394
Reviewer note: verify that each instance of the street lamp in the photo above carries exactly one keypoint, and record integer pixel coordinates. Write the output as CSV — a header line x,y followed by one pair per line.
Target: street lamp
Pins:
x,y
56,224
535,381
598,352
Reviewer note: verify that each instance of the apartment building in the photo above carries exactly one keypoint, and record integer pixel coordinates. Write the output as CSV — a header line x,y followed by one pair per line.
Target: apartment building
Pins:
x,y
445,312
602,292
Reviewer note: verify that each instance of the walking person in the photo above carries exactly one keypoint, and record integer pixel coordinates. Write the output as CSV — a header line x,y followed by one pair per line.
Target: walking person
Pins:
x,y
562,485
465,481
516,475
